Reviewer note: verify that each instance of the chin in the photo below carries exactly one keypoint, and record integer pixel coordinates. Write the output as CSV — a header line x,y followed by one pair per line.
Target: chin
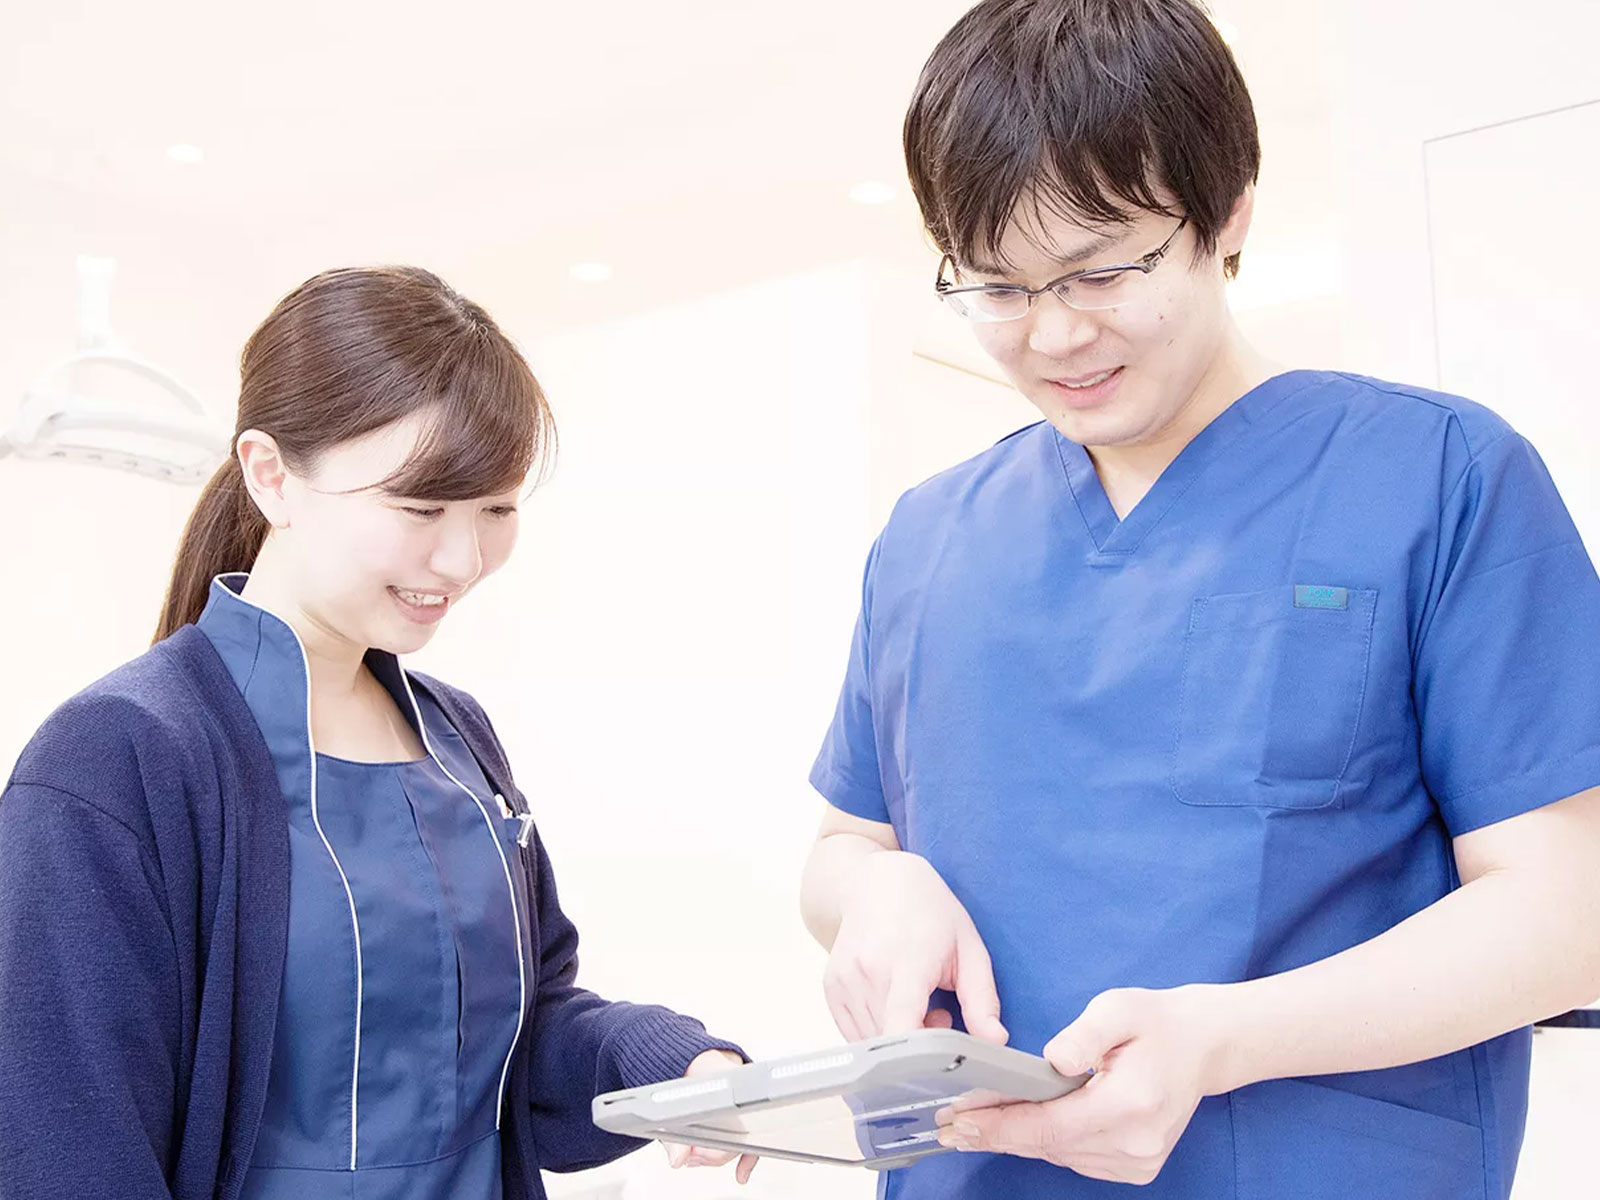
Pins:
x,y
1088,429
416,640
1119,425
404,641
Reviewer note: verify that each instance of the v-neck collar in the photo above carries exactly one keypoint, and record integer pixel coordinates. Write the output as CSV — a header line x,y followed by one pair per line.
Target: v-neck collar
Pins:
x,y
1115,540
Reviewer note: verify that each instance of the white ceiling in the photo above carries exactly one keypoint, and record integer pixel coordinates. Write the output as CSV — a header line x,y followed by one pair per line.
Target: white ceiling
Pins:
x,y
693,146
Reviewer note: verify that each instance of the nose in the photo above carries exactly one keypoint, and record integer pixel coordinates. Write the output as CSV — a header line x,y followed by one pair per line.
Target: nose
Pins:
x,y
1057,330
457,557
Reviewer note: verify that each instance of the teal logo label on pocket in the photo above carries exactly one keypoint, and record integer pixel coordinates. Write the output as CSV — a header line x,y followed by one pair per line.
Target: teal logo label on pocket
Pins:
x,y
1321,597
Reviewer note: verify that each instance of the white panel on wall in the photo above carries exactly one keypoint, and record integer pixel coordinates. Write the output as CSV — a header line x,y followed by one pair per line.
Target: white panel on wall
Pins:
x,y
1514,270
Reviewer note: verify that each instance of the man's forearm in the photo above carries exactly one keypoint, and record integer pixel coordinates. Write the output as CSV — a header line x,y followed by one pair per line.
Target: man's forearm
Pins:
x,y
1498,953
829,871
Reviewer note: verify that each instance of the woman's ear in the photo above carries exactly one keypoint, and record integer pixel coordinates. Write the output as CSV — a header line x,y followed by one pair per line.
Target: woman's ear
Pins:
x,y
264,475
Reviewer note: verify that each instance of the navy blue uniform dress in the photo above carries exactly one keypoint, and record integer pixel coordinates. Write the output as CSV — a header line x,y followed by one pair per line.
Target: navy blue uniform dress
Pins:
x,y
405,985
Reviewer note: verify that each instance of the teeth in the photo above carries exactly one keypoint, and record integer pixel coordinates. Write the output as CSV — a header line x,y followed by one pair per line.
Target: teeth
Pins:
x,y
418,598
1089,383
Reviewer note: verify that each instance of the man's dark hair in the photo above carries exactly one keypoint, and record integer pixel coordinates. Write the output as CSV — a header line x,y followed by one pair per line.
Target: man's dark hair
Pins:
x,y
1081,108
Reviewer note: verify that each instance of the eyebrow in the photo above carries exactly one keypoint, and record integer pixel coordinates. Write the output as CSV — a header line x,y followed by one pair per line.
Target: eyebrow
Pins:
x,y
1082,255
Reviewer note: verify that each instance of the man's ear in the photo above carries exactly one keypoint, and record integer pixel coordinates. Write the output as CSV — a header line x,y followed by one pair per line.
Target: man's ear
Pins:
x,y
1231,237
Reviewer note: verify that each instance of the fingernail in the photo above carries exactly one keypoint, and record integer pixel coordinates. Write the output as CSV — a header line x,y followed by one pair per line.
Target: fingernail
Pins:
x,y
960,1136
1072,1065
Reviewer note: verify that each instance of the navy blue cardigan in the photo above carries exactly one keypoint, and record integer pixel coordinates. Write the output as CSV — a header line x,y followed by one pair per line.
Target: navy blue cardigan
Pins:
x,y
144,891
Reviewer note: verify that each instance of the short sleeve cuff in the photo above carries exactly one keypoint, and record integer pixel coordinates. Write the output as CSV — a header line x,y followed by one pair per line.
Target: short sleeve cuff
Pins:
x,y
1544,784
847,795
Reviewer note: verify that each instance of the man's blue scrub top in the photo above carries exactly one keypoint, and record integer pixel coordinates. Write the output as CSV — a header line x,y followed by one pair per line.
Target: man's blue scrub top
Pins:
x,y
1227,736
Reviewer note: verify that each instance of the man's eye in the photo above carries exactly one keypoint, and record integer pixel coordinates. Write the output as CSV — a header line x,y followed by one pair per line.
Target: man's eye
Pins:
x,y
997,299
1103,280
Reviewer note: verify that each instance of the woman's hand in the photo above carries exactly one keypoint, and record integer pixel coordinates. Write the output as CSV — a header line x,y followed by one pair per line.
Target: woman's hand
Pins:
x,y
710,1063
1152,1059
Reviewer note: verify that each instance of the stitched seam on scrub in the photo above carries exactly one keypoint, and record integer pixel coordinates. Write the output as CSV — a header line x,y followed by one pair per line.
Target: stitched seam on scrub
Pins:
x,y
1536,769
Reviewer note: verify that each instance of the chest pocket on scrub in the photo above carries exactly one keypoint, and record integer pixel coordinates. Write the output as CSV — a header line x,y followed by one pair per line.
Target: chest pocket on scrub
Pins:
x,y
1273,684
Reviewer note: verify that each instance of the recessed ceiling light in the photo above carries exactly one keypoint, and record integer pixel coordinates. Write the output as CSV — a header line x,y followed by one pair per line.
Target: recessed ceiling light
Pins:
x,y
186,154
591,272
872,192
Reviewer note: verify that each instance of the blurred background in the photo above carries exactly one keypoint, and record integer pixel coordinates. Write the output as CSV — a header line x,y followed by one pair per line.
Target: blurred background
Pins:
x,y
694,219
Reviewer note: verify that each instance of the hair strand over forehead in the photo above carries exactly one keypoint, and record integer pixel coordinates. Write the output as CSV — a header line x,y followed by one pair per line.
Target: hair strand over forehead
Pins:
x,y
345,354
1086,110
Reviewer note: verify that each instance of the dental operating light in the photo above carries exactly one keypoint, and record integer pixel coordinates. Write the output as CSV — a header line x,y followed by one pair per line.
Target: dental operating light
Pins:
x,y
162,432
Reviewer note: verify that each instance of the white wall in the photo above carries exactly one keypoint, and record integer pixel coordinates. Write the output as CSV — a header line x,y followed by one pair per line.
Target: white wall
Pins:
x,y
1515,305
87,556
1408,73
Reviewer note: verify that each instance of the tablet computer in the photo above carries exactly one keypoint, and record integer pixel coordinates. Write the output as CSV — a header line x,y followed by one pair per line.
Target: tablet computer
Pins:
x,y
866,1104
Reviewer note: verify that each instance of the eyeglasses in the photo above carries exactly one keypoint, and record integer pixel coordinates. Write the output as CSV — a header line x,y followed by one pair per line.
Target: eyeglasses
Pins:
x,y
1092,290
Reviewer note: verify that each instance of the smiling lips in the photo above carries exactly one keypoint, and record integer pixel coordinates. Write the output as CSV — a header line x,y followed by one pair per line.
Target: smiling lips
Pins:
x,y
422,607
1087,391
1086,381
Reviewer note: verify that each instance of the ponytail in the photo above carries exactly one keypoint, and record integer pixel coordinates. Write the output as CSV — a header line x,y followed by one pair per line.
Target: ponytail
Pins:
x,y
224,533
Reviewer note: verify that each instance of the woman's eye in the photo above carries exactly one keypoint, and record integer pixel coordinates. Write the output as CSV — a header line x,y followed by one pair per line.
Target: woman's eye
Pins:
x,y
426,514
502,510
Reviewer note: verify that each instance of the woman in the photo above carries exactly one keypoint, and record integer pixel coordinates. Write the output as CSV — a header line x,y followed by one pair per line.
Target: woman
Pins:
x,y
274,920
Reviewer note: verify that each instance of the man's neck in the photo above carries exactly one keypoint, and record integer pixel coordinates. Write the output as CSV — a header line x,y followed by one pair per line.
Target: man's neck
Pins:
x,y
1128,472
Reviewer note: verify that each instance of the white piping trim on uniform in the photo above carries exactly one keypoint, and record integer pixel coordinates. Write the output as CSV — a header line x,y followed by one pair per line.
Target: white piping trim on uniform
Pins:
x,y
516,917
355,1069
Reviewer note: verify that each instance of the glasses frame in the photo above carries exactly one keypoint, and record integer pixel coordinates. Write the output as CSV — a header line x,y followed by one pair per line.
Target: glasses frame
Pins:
x,y
947,289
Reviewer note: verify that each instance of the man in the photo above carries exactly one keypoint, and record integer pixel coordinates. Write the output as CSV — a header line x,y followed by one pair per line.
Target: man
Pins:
x,y
1234,732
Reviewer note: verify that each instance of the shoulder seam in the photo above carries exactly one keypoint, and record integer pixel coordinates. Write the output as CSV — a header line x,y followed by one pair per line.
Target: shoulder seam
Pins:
x,y
1017,432
21,781
969,460
1473,461
1389,389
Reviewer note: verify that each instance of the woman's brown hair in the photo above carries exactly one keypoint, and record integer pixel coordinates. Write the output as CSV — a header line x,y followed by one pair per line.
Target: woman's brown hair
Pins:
x,y
349,352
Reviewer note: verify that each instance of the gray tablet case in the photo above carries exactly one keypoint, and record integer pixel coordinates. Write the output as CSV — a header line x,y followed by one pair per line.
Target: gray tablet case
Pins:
x,y
868,1104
